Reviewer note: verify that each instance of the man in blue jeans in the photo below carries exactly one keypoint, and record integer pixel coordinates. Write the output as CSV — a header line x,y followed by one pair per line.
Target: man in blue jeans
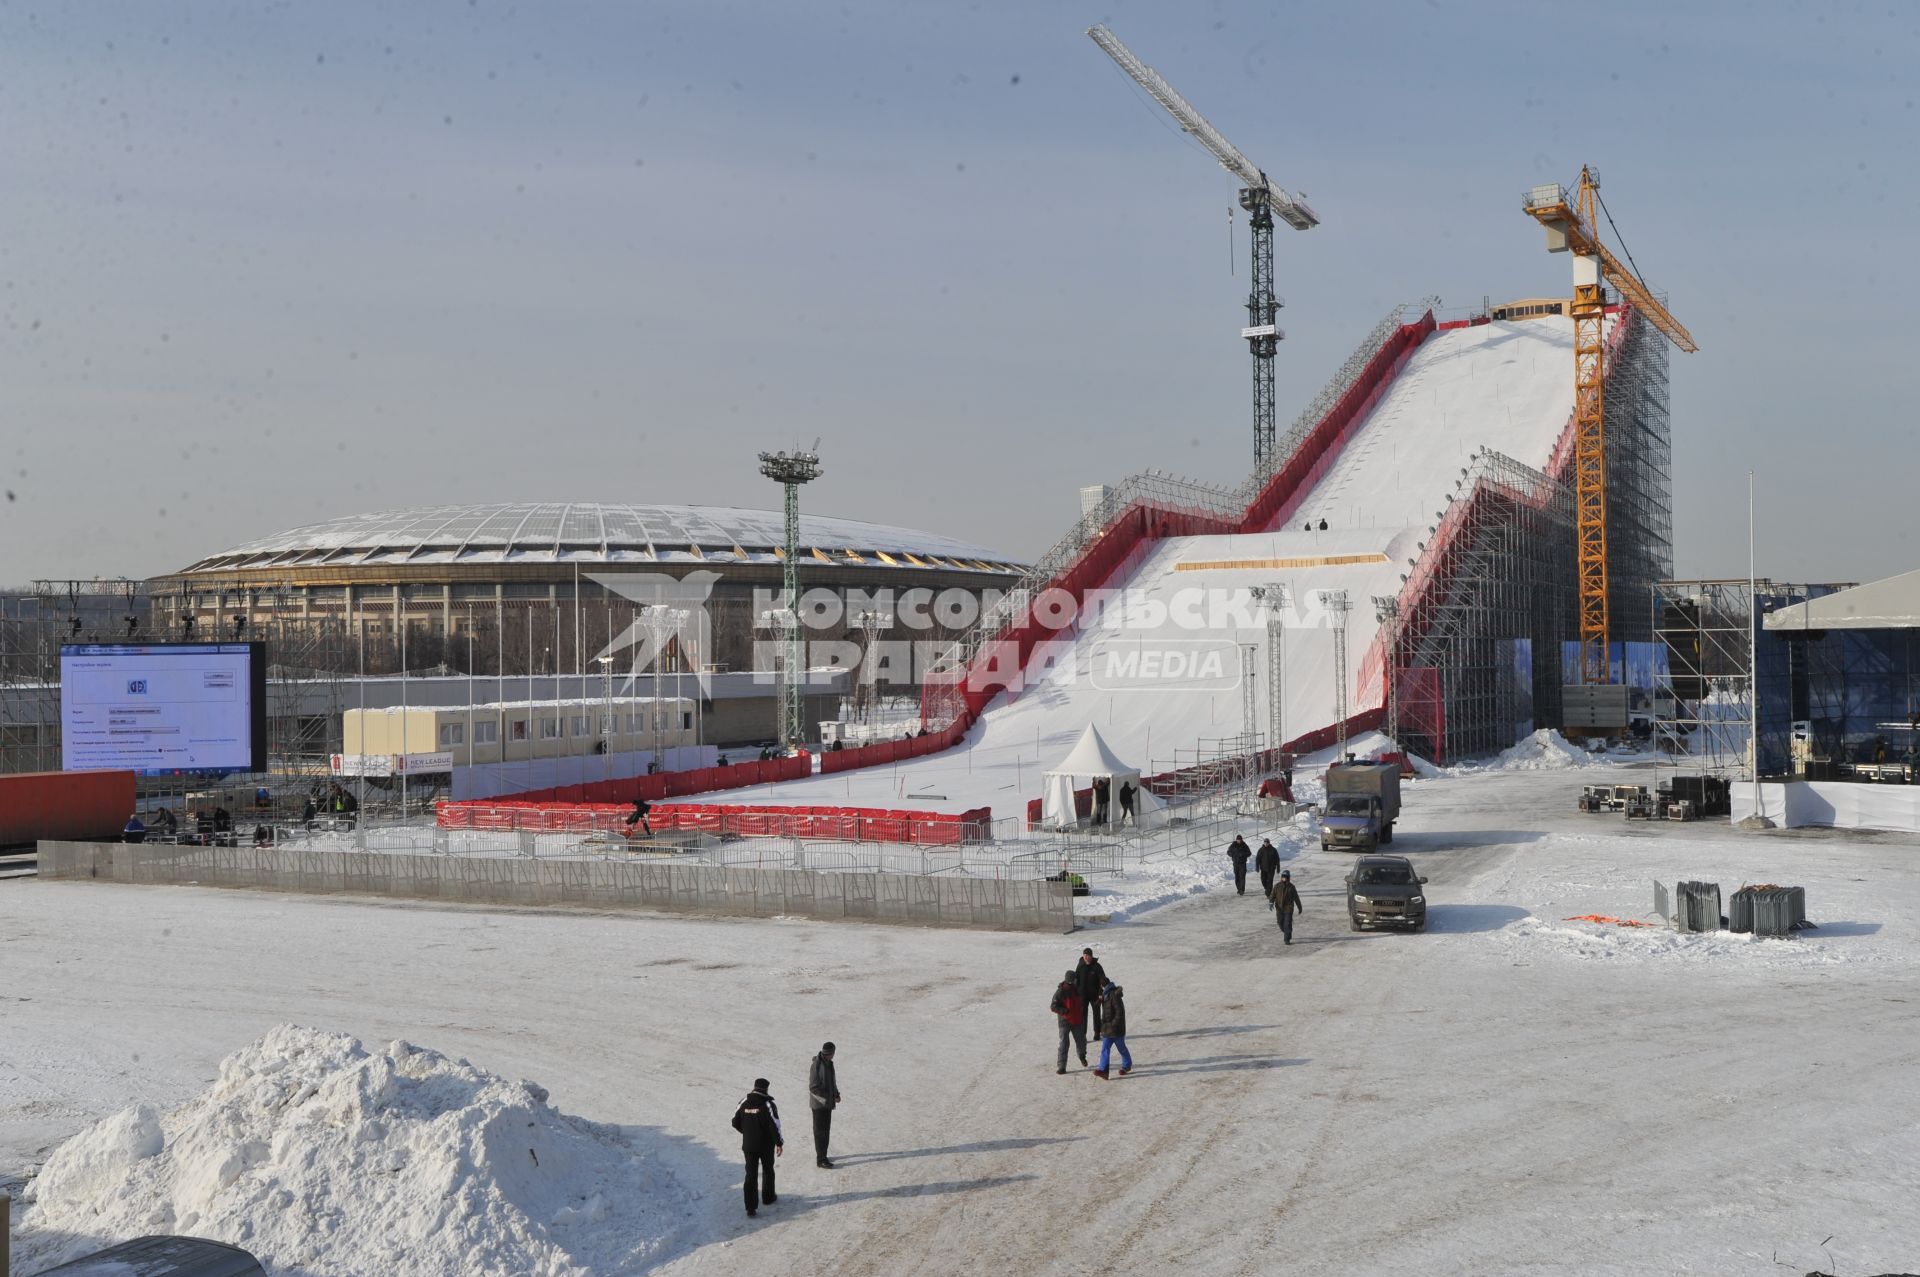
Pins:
x,y
1113,1030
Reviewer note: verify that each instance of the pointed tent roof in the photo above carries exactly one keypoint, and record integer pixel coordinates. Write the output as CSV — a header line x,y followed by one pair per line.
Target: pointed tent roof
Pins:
x,y
1892,604
1091,757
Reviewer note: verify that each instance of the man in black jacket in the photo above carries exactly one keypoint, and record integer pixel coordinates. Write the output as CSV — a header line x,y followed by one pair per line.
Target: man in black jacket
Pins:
x,y
1239,853
758,1121
823,1095
1286,902
1092,980
1267,861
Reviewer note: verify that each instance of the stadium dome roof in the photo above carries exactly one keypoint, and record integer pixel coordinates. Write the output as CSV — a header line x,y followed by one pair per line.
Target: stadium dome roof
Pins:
x,y
534,533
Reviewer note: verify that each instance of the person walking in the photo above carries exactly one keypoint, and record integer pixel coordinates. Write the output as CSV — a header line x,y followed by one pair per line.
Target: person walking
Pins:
x,y
1286,903
757,1119
638,816
1127,813
1093,978
823,1094
1267,861
1070,1009
1113,1030
1239,853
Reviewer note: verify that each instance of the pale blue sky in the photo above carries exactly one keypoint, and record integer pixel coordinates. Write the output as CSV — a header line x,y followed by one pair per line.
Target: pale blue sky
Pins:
x,y
264,264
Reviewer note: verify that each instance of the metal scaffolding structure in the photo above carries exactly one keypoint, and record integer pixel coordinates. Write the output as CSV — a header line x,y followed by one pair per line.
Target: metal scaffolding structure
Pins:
x,y
1475,643
1639,452
1706,691
34,622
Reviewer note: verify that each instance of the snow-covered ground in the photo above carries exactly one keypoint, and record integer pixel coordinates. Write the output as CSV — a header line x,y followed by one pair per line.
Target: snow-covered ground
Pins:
x,y
1509,1092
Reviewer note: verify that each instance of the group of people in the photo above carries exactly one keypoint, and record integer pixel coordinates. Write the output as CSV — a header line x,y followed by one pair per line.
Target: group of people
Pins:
x,y
836,745
757,1118
1102,796
1086,994
1276,884
339,803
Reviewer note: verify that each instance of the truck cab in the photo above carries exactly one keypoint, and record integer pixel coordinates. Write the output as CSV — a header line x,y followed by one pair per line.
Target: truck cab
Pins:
x,y
1350,822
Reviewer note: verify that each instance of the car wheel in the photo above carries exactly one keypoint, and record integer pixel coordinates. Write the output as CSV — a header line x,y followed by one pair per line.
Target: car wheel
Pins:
x,y
1353,920
1323,844
1419,926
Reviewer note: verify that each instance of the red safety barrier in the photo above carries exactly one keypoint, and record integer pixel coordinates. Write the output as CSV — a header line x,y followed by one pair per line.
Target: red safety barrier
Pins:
x,y
851,824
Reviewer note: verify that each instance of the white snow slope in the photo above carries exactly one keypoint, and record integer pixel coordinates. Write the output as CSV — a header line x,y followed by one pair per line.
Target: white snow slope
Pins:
x,y
1507,386
1509,1093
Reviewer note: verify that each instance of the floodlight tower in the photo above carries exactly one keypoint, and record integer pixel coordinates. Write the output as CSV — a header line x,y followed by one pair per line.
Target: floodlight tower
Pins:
x,y
1386,610
1336,602
1276,599
790,470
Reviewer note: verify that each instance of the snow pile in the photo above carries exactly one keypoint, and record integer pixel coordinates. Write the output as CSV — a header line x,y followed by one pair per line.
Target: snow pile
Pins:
x,y
314,1153
1545,750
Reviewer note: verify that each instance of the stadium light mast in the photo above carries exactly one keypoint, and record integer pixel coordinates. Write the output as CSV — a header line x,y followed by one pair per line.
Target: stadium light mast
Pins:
x,y
1262,200
1386,610
1276,599
790,470
1337,602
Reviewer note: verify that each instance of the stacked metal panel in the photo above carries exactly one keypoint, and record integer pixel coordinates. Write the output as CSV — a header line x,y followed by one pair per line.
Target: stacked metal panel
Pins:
x,y
1767,910
1699,906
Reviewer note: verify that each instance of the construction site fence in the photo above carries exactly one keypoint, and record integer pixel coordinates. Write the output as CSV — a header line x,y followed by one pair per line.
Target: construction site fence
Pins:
x,y
1000,904
851,824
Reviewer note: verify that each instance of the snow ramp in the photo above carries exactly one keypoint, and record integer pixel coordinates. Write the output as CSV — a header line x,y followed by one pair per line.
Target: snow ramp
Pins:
x,y
1144,620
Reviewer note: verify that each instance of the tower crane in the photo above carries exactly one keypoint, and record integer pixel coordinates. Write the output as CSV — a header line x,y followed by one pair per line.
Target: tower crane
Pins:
x,y
1263,201
1570,225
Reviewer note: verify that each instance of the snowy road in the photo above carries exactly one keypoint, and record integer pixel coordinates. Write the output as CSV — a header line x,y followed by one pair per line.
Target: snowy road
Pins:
x,y
1509,1092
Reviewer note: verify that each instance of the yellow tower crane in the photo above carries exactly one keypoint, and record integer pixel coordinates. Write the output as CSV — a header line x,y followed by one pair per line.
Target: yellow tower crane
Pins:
x,y
1571,228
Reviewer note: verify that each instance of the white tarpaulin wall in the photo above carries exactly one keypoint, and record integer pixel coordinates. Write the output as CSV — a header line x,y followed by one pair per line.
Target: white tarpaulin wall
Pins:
x,y
1090,759
1837,803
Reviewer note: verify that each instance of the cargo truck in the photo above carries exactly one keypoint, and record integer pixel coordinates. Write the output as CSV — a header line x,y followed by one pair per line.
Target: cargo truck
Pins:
x,y
1363,801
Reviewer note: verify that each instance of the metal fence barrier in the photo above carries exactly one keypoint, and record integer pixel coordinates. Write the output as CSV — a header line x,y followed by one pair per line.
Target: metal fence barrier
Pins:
x,y
1006,904
1767,910
1698,906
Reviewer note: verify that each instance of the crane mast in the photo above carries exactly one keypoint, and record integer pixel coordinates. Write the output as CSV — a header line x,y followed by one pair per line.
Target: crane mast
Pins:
x,y
1570,224
1263,201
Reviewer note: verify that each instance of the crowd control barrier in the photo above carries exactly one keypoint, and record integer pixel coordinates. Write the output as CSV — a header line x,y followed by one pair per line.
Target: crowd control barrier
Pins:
x,y
848,824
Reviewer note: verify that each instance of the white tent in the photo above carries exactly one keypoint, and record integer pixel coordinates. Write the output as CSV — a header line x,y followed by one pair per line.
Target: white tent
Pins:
x,y
1091,759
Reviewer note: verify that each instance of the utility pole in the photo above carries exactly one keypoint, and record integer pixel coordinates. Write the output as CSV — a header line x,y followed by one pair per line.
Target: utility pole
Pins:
x,y
790,470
